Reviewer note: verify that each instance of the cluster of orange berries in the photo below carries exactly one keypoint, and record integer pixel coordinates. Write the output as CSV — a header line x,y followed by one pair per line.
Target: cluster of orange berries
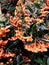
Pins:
x,y
44,11
37,47
7,63
3,31
46,37
5,55
21,10
3,43
17,22
20,36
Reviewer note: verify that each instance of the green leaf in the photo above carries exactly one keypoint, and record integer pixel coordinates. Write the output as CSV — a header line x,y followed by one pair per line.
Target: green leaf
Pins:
x,y
37,5
30,9
48,61
38,60
33,30
6,22
44,61
38,13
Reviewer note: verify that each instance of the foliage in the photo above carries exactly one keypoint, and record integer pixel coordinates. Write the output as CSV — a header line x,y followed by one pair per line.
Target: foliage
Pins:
x,y
24,32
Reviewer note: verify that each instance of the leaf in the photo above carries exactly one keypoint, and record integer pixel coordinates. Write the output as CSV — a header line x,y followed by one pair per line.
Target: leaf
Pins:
x,y
19,60
45,40
38,13
38,60
37,5
44,61
48,61
0,9
33,30
30,9
4,23
13,44
42,27
8,7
